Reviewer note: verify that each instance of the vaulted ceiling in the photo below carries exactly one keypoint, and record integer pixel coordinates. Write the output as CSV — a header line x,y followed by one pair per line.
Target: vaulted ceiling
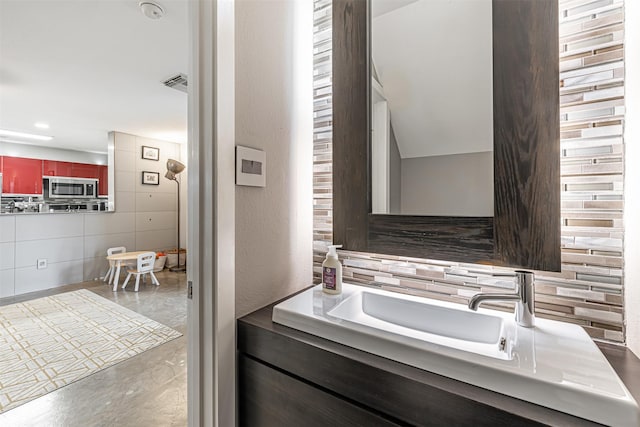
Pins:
x,y
434,61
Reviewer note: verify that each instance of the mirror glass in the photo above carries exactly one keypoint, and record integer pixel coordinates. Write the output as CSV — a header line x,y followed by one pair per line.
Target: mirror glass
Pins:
x,y
432,107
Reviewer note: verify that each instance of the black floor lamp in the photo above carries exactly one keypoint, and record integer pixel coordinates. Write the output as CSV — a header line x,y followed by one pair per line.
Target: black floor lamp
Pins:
x,y
174,167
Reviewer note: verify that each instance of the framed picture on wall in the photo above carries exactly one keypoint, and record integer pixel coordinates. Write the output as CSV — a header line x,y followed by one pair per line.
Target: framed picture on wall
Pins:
x,y
150,153
151,178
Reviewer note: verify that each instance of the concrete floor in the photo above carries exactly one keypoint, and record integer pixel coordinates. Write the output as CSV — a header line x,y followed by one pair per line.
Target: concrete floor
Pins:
x,y
149,389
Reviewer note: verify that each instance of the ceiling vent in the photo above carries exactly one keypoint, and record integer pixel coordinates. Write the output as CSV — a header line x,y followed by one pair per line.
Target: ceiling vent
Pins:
x,y
178,82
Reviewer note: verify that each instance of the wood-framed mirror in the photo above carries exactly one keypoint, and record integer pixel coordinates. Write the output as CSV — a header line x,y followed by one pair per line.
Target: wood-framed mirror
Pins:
x,y
524,230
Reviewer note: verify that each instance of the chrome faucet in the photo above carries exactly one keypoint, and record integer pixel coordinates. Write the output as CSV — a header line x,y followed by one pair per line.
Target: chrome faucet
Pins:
x,y
524,298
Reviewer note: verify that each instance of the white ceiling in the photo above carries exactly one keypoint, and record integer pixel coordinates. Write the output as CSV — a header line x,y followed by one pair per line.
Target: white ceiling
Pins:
x,y
90,67
434,61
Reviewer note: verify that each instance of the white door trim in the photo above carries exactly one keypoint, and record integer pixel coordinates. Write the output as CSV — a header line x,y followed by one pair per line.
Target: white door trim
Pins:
x,y
211,215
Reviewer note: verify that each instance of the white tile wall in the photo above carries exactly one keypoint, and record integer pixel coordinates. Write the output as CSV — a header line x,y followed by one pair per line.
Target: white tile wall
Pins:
x,y
147,221
51,226
7,255
7,288
94,268
165,186
30,279
152,165
124,161
125,142
96,246
7,228
150,202
125,201
53,250
125,181
109,224
152,239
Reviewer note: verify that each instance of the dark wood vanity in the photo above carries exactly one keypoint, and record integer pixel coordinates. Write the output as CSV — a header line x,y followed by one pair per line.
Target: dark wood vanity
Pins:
x,y
290,378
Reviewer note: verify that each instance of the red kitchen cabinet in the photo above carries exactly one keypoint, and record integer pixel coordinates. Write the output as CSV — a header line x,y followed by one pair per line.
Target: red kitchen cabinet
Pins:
x,y
84,170
103,185
71,169
79,170
24,176
56,168
21,176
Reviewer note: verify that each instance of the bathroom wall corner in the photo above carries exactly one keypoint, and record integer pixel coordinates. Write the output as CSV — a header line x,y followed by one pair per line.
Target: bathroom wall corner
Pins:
x,y
632,177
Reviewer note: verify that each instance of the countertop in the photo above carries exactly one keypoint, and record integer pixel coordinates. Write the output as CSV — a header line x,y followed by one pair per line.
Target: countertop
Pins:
x,y
55,212
262,339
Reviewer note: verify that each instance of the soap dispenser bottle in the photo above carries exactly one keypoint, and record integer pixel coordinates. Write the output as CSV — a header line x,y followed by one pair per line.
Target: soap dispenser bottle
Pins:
x,y
332,272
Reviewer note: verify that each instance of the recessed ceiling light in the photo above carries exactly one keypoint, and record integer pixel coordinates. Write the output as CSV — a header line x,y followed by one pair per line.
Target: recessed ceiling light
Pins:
x,y
41,125
4,132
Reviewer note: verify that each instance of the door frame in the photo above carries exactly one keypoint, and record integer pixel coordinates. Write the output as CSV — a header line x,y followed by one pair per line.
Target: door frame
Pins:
x,y
211,215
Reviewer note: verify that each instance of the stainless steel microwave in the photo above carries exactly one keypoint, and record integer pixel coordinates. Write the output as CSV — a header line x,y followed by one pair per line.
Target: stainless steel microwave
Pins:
x,y
57,187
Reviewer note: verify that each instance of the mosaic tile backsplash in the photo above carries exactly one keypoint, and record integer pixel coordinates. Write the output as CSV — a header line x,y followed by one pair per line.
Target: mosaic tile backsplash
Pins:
x,y
589,290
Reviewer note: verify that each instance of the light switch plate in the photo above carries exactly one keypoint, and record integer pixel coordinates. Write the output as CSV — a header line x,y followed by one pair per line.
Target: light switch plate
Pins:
x,y
251,167
42,263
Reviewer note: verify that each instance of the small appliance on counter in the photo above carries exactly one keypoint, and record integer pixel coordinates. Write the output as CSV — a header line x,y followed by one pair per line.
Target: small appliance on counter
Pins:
x,y
59,194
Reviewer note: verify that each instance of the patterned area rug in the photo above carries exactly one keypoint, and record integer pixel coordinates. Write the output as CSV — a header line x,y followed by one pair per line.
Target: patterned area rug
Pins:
x,y
50,342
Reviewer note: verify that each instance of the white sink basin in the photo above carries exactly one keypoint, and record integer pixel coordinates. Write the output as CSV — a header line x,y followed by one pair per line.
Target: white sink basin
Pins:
x,y
455,327
554,364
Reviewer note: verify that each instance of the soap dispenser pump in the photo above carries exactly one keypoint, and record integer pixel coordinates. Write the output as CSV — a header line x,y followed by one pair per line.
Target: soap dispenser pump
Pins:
x,y
332,272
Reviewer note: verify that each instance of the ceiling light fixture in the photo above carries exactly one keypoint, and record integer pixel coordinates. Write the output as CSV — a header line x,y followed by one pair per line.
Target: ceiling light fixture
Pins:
x,y
41,125
151,10
4,132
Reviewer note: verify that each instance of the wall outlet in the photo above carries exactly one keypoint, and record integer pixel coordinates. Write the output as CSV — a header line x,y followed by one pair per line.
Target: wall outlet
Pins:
x,y
42,263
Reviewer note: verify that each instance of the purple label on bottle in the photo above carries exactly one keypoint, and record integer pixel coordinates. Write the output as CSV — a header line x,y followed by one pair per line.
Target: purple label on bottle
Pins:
x,y
329,278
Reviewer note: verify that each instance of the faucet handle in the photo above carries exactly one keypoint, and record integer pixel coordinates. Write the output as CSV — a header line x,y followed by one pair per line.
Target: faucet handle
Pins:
x,y
503,274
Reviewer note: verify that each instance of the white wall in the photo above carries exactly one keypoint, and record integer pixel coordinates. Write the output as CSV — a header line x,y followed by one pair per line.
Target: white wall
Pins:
x,y
75,245
632,175
395,175
453,185
274,104
7,255
380,156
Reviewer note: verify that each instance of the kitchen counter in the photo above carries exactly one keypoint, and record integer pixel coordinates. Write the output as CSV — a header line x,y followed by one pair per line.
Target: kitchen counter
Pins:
x,y
11,207
55,212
